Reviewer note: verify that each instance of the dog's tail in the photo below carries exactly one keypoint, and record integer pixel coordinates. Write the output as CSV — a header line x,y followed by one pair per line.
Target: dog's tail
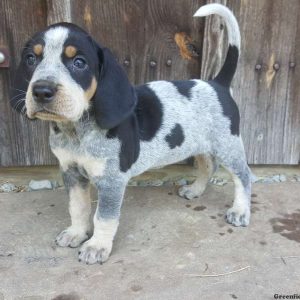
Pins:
x,y
234,38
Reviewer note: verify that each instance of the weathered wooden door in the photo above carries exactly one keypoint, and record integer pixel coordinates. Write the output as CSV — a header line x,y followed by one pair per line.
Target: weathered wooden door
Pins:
x,y
160,39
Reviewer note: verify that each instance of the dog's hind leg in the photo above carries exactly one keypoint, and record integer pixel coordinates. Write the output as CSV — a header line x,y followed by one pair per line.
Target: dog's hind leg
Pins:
x,y
206,166
234,160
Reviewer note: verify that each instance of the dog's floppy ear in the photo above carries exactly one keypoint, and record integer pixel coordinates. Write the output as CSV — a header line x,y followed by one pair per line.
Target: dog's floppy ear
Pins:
x,y
115,97
19,85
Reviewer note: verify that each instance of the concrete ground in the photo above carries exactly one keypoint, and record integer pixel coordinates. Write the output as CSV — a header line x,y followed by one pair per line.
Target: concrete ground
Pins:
x,y
163,243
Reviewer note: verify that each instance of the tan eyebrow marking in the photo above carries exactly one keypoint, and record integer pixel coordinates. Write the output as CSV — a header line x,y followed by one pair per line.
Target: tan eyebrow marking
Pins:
x,y
38,49
70,51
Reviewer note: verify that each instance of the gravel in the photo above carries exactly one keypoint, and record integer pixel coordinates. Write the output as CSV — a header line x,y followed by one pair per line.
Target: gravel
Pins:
x,y
272,179
36,185
7,187
218,181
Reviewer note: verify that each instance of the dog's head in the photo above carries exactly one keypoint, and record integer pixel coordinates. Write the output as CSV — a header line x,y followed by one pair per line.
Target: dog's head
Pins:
x,y
63,73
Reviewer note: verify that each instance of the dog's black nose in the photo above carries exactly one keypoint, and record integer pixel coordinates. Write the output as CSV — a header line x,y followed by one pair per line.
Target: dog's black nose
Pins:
x,y
43,91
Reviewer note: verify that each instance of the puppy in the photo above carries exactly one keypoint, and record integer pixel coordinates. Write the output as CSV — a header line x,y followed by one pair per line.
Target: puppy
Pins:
x,y
104,131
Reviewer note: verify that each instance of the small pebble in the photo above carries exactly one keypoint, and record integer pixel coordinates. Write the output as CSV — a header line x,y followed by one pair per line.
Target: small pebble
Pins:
x,y
272,179
36,185
282,178
218,181
132,183
7,187
275,178
267,180
54,184
157,182
258,179
181,182
254,178
296,178
143,183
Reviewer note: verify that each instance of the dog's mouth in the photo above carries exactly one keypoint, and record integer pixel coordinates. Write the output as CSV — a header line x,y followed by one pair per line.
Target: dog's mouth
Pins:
x,y
48,116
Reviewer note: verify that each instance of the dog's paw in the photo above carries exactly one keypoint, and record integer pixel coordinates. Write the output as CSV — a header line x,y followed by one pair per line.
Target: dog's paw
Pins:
x,y
237,218
71,237
93,251
190,192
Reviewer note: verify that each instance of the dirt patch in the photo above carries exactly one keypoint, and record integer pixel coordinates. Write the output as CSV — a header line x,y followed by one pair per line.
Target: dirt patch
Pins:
x,y
288,226
199,208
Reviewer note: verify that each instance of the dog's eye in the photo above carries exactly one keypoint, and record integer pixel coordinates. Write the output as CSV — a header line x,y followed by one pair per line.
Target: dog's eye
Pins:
x,y
30,59
79,62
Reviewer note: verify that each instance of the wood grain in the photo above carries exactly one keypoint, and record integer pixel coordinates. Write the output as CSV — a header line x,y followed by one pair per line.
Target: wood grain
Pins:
x,y
214,44
118,25
142,32
163,21
58,11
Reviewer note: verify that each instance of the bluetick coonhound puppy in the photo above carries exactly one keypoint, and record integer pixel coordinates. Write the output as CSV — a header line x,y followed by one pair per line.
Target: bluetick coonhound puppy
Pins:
x,y
104,130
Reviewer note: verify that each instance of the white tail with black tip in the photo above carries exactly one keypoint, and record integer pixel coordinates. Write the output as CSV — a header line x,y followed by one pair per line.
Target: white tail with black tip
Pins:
x,y
234,38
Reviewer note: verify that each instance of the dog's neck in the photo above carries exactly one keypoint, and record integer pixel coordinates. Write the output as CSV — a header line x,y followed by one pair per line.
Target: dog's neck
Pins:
x,y
75,129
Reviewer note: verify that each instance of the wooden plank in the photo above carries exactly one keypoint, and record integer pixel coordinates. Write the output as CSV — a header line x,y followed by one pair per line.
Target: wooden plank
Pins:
x,y
26,143
142,32
214,44
58,11
118,25
23,142
165,22
268,99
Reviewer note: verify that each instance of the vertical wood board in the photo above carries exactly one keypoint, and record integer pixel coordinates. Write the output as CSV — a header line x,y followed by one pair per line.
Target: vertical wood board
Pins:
x,y
268,99
21,142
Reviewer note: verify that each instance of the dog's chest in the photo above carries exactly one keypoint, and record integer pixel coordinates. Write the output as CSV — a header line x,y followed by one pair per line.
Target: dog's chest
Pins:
x,y
73,150
87,165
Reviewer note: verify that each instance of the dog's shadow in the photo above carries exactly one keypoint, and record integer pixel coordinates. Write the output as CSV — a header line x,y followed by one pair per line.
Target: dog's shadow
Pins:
x,y
151,211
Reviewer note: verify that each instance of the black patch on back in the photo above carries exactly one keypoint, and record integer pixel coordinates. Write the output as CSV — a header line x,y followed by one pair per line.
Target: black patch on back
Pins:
x,y
148,112
228,70
127,133
184,87
230,109
175,137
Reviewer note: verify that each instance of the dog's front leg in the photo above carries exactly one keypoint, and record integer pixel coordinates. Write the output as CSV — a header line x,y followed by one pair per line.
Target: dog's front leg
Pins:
x,y
106,220
78,188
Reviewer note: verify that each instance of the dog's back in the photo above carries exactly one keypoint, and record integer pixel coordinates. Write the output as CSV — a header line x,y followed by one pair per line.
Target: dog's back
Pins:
x,y
189,117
